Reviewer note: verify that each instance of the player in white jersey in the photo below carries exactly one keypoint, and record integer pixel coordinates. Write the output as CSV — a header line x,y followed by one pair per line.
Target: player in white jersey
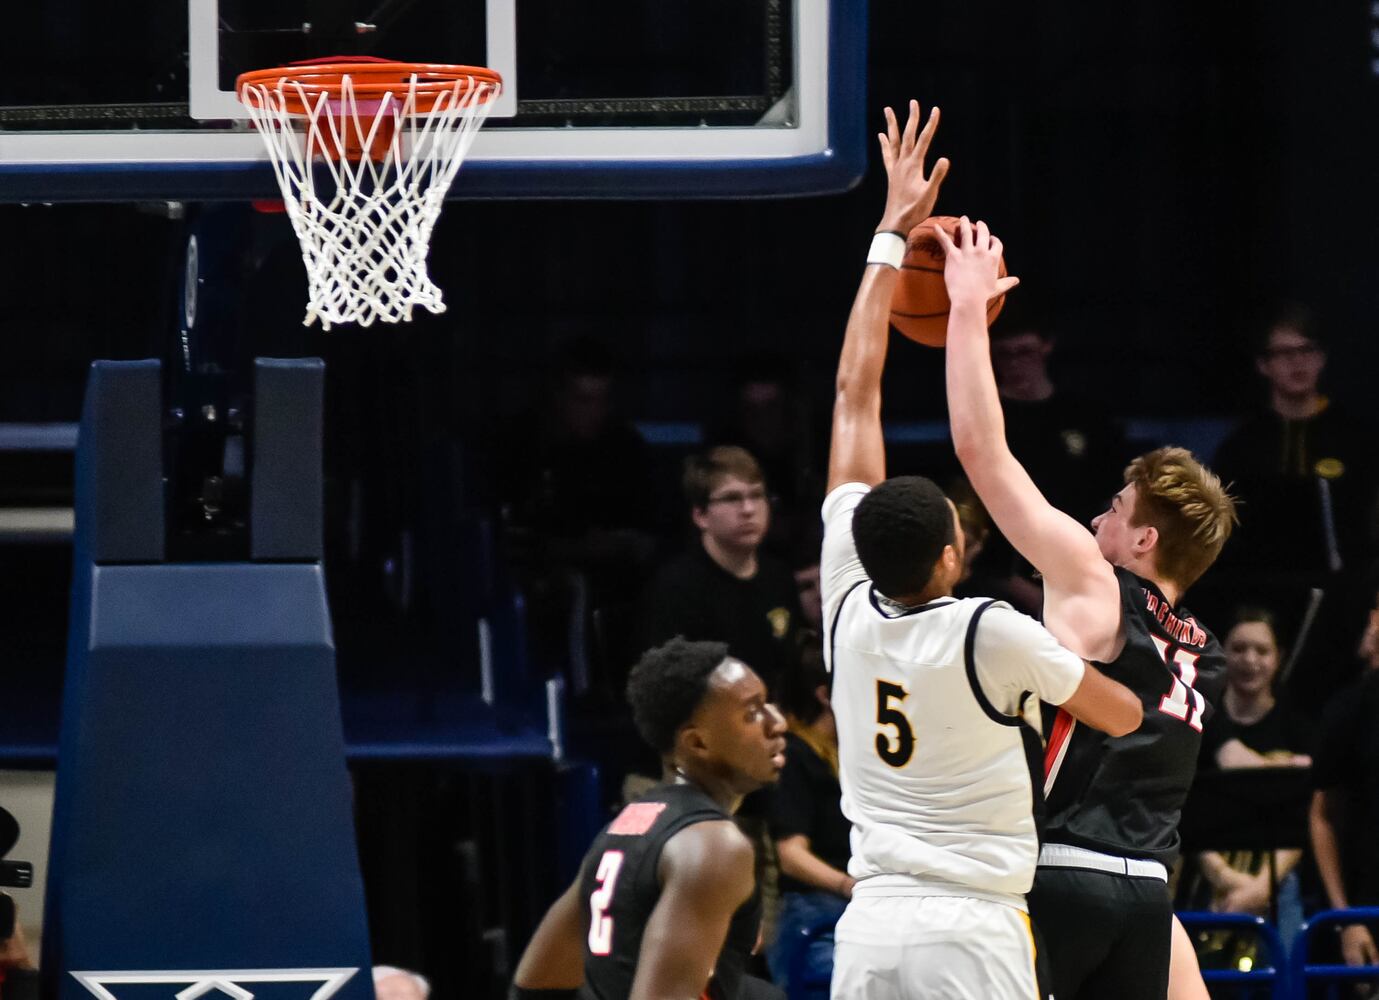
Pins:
x,y
929,692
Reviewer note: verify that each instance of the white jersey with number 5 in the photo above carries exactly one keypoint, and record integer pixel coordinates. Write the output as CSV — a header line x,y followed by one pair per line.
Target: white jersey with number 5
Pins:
x,y
935,751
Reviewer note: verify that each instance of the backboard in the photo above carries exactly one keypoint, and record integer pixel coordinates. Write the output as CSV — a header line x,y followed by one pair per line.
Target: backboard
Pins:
x,y
619,99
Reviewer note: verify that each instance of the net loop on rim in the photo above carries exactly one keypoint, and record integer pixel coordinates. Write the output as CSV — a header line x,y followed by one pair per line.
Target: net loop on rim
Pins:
x,y
364,153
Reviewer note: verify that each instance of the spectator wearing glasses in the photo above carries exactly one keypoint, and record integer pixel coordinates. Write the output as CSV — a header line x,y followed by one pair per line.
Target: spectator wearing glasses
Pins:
x,y
723,587
1303,466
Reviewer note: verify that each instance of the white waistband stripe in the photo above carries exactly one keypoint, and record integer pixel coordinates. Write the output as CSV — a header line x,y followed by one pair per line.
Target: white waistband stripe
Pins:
x,y
1066,856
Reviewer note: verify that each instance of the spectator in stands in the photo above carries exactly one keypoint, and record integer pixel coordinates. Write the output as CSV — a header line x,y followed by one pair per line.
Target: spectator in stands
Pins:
x,y
1253,727
809,828
724,588
391,983
1345,805
1303,467
768,418
575,473
1269,730
574,486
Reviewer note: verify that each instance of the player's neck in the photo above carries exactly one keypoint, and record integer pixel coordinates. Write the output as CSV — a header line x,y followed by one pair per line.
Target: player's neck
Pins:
x,y
1144,569
741,563
930,593
715,787
1297,406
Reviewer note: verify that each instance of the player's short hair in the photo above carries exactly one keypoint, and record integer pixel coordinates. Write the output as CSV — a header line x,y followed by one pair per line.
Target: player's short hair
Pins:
x,y
1186,503
900,529
668,684
704,471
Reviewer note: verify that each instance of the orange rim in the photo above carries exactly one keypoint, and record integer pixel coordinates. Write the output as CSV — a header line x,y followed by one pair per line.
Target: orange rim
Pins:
x,y
372,79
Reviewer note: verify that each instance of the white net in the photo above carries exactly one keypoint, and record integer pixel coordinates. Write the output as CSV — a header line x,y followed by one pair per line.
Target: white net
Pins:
x,y
364,221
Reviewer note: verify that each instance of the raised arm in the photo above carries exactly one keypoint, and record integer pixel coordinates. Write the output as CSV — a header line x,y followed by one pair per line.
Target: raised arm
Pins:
x,y
857,453
706,874
1063,551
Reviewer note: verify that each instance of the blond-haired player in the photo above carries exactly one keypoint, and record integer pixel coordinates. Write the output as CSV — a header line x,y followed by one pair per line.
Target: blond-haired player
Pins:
x,y
1112,595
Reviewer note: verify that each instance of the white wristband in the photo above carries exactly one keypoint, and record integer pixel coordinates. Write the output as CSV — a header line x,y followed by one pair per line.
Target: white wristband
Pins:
x,y
887,248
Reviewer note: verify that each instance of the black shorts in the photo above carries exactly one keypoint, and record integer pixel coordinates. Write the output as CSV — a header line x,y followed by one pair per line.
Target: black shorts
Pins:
x,y
1107,937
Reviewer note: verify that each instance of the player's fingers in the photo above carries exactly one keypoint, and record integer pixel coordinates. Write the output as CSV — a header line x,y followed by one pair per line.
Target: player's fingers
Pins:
x,y
983,236
939,172
911,126
892,129
927,134
1005,284
965,232
997,247
942,235
885,150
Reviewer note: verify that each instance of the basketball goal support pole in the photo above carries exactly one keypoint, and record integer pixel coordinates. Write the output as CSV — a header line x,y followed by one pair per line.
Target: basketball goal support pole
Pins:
x,y
202,833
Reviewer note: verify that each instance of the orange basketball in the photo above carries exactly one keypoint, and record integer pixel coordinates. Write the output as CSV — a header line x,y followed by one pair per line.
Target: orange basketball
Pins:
x,y
919,307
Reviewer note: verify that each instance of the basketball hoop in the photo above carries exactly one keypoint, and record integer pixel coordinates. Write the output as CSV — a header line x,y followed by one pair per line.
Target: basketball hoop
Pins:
x,y
391,136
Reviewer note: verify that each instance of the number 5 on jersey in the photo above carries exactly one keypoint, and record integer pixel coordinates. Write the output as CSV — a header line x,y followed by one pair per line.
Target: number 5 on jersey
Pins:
x,y
600,923
895,749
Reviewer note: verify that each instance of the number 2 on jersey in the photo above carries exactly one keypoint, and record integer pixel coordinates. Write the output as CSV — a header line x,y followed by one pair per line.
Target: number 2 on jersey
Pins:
x,y
899,754
600,923
1182,701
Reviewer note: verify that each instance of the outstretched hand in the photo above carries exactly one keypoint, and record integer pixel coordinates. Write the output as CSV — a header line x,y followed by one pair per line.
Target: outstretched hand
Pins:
x,y
910,196
971,268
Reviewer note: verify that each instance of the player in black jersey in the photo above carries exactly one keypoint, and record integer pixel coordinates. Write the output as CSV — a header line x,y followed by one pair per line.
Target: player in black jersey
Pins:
x,y
664,905
1100,895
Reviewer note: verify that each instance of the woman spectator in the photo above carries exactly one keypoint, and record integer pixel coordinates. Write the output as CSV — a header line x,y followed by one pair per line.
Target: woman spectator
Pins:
x,y
1252,728
810,831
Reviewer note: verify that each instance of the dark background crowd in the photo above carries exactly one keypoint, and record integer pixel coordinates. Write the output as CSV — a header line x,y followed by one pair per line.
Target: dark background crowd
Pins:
x,y
635,443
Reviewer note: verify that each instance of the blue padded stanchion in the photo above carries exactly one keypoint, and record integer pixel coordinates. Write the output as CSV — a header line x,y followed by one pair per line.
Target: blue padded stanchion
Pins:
x,y
203,839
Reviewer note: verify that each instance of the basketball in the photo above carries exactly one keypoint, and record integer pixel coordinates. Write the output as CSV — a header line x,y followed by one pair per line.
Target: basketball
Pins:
x,y
919,307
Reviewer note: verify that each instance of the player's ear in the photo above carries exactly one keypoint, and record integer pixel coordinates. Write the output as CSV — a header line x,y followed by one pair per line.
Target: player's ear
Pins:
x,y
691,741
1146,537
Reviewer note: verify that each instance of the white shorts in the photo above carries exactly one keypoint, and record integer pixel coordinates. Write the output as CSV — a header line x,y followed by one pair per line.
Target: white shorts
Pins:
x,y
933,948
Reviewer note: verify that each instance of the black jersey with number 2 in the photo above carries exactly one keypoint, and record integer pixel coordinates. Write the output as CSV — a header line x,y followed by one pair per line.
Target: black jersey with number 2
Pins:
x,y
620,886
1124,795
